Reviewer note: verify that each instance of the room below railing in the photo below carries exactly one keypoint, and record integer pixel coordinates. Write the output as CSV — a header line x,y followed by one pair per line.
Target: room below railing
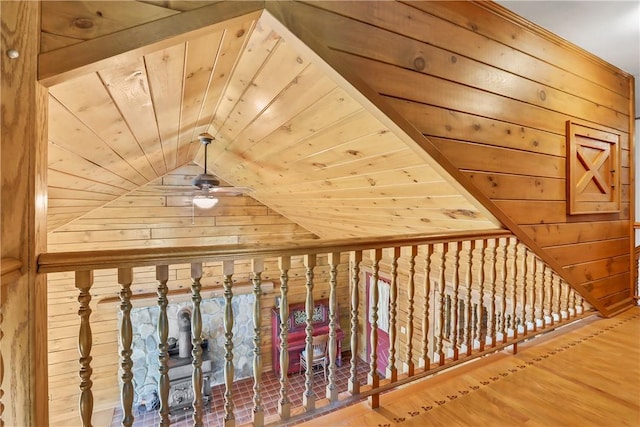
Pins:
x,y
412,306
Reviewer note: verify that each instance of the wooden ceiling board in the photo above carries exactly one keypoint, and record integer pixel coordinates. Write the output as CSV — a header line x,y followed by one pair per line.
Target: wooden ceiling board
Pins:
x,y
282,126
234,39
165,70
128,86
261,43
91,19
201,55
87,98
180,5
69,133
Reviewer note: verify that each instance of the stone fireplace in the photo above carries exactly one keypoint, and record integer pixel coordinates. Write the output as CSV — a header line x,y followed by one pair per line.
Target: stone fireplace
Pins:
x,y
146,373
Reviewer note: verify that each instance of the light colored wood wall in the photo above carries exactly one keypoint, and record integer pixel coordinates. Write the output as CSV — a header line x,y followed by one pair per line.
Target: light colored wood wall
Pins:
x,y
491,95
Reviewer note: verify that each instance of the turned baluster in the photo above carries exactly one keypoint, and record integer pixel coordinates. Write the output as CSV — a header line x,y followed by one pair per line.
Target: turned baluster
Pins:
x,y
503,290
84,281
547,296
455,284
564,300
308,397
513,289
572,303
424,360
409,367
534,293
355,259
525,289
480,338
125,279
541,294
439,350
229,370
468,321
162,276
492,328
557,290
284,405
579,304
373,377
392,372
196,341
257,267
552,297
332,388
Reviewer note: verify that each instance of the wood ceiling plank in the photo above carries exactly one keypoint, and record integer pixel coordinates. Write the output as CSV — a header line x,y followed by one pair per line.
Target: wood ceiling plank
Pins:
x,y
427,202
179,5
310,91
64,180
49,42
368,146
319,118
165,70
303,91
122,46
92,19
281,68
403,157
414,189
88,99
62,160
69,133
234,39
367,179
129,88
201,57
261,42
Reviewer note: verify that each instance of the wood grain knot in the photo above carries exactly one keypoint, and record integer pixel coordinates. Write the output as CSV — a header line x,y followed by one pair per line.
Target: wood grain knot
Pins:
x,y
83,23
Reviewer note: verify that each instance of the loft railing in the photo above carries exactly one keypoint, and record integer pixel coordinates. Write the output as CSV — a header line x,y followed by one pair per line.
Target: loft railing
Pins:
x,y
453,298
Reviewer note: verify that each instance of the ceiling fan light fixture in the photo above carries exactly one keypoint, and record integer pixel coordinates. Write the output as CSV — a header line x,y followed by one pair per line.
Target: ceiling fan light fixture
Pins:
x,y
204,202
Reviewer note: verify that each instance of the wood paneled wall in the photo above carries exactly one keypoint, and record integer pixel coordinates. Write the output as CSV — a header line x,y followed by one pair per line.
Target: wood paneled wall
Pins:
x,y
492,95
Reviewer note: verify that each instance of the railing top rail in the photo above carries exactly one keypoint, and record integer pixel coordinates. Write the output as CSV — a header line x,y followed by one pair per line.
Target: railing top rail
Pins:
x,y
96,260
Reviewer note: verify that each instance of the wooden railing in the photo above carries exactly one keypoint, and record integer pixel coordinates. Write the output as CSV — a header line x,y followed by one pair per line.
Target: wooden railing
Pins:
x,y
453,297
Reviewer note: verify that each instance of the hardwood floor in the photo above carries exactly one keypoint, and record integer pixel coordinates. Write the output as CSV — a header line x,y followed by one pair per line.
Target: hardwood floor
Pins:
x,y
585,374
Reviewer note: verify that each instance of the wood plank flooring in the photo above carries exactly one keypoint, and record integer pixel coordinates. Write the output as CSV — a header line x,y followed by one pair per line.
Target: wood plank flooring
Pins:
x,y
585,374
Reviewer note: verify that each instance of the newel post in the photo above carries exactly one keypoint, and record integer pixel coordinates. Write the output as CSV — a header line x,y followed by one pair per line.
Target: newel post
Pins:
x,y
23,158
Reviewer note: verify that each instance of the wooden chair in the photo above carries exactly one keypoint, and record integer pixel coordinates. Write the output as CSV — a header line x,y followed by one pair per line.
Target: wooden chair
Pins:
x,y
319,357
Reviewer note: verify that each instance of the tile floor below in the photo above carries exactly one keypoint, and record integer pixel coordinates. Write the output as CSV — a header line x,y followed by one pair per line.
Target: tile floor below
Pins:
x,y
243,397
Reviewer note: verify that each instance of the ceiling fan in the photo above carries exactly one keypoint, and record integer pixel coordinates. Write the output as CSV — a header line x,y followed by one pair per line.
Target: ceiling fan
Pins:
x,y
209,185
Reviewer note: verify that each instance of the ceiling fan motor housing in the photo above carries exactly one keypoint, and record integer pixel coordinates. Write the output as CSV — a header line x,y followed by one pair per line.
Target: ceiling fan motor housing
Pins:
x,y
204,180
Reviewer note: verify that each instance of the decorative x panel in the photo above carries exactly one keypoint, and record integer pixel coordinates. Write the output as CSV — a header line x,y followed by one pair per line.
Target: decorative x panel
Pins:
x,y
593,183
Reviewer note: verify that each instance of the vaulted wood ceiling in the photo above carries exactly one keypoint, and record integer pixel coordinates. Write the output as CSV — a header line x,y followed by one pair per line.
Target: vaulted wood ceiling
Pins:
x,y
282,126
